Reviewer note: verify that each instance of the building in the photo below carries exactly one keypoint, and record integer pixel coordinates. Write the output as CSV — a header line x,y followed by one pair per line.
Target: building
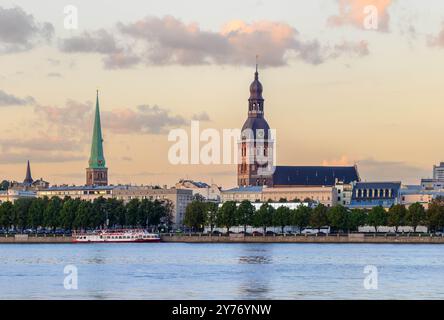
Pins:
x,y
258,194
28,183
88,193
326,195
432,184
438,172
239,194
256,146
256,150
417,194
179,198
367,195
344,191
208,192
97,172
12,195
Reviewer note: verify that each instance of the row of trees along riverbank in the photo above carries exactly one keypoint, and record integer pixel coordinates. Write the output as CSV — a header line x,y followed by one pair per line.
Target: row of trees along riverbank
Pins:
x,y
231,214
76,214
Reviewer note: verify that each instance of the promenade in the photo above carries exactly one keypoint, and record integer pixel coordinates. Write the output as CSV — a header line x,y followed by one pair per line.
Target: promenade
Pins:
x,y
237,238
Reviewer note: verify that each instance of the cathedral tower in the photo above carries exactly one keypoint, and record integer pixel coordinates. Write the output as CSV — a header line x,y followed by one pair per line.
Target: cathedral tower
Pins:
x,y
97,172
256,146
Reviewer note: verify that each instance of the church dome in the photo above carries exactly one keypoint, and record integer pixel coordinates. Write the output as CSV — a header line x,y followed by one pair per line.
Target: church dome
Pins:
x,y
256,88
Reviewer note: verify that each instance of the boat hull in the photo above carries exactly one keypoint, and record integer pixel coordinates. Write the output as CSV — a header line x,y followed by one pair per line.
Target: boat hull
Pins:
x,y
116,241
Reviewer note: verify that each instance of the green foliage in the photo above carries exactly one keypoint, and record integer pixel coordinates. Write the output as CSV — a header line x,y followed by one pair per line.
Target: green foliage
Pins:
x,y
195,215
282,217
226,216
377,217
79,214
6,214
415,215
357,218
301,217
318,217
338,217
211,215
244,214
435,215
264,217
396,216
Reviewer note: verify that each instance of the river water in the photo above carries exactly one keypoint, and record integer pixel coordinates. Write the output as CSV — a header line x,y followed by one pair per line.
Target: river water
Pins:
x,y
221,271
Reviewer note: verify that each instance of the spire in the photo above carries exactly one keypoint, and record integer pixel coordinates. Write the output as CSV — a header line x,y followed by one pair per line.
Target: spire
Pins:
x,y
28,179
97,160
256,75
256,101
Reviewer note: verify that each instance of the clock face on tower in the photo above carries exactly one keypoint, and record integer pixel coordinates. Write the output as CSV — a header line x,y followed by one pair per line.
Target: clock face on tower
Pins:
x,y
260,133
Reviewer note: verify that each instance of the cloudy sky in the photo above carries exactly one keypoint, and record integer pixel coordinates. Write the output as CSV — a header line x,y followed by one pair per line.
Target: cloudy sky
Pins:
x,y
336,92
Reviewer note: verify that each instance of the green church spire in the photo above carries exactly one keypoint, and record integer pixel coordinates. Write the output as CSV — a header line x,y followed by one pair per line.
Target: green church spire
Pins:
x,y
97,160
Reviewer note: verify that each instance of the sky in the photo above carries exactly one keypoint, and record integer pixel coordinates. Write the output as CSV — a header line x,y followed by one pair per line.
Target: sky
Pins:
x,y
336,91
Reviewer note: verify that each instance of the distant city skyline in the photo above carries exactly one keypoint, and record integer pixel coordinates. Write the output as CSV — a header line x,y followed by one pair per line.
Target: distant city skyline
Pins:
x,y
336,94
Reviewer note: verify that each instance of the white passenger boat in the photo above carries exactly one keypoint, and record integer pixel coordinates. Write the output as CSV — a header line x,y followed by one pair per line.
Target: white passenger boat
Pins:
x,y
116,236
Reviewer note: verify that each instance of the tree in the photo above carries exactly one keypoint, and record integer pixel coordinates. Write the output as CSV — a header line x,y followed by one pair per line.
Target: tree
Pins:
x,y
195,214
396,216
68,213
226,216
282,217
116,212
301,217
244,214
337,217
318,217
21,211
132,210
99,213
211,215
415,215
35,214
357,218
377,217
435,215
146,214
264,217
167,218
83,213
6,214
51,213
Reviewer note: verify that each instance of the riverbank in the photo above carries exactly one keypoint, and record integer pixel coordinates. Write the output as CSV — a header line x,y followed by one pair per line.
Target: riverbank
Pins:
x,y
237,238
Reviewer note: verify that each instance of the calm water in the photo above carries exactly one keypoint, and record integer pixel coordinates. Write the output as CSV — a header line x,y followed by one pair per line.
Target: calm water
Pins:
x,y
221,271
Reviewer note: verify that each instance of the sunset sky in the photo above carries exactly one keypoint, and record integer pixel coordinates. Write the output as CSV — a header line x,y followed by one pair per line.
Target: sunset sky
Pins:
x,y
336,93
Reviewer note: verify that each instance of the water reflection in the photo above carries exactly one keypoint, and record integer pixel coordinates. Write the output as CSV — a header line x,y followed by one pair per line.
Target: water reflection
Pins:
x,y
254,260
256,269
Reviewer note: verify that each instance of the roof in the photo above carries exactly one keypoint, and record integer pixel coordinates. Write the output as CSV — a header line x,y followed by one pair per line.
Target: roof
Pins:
x,y
378,185
251,189
313,175
80,188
